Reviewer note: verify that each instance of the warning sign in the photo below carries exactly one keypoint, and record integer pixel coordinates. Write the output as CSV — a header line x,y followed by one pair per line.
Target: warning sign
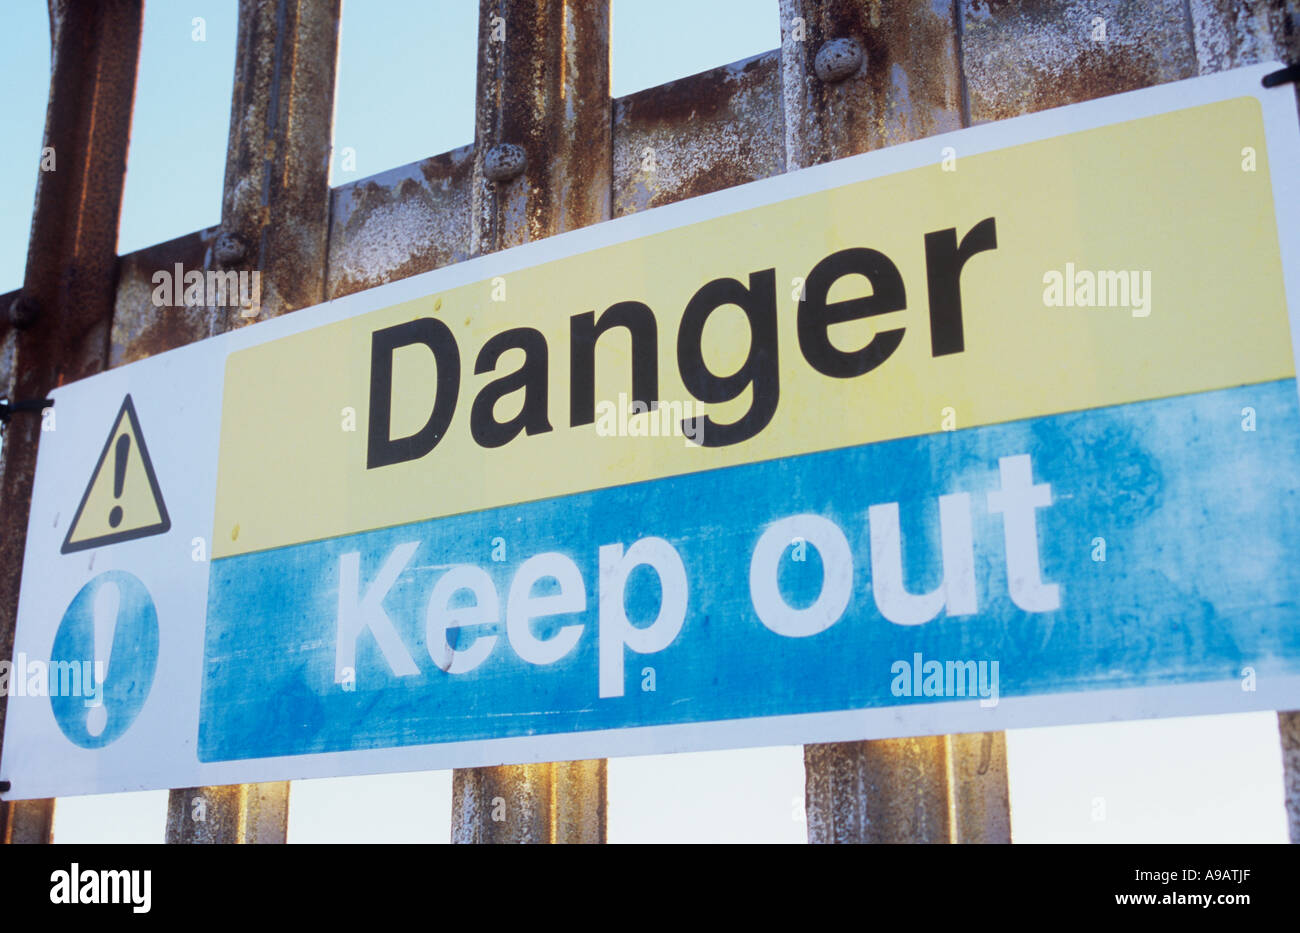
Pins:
x,y
868,450
122,501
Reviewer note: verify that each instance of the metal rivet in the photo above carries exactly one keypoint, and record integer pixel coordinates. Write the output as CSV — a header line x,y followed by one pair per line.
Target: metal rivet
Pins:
x,y
504,161
229,248
23,312
838,59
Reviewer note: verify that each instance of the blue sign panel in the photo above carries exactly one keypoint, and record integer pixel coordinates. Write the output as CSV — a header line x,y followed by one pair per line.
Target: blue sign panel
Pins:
x,y
1132,546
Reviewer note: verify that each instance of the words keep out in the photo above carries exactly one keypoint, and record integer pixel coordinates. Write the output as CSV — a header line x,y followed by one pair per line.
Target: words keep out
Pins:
x,y
1017,500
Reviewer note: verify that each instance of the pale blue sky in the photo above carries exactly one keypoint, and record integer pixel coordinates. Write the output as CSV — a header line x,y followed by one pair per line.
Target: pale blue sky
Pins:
x,y
405,91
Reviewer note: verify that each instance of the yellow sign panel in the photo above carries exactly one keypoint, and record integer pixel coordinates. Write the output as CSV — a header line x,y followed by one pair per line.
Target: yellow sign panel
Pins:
x,y
1129,262
122,501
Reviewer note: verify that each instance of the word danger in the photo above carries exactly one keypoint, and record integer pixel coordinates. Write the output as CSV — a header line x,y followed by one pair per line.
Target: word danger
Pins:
x,y
1017,501
759,374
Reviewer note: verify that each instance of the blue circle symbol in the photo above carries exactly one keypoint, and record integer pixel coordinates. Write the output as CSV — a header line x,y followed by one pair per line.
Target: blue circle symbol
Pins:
x,y
109,630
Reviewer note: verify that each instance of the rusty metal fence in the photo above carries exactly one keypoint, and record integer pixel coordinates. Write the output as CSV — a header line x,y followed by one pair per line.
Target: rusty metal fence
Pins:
x,y
850,76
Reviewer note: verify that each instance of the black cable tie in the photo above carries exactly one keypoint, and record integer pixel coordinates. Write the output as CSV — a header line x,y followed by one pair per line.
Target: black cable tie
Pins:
x,y
1288,75
8,408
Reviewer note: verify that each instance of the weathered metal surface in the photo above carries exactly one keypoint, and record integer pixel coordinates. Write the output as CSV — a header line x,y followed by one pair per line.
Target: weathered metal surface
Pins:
x,y
72,251
401,222
560,802
1233,33
892,790
276,204
703,133
838,59
504,162
235,813
276,197
1289,731
1021,56
142,328
27,822
543,84
979,791
71,259
937,789
8,344
908,87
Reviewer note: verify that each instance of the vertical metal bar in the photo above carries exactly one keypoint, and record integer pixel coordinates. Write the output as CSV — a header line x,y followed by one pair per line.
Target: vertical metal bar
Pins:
x,y
275,222
68,287
948,788
234,813
931,788
909,86
1289,731
1229,34
276,201
543,86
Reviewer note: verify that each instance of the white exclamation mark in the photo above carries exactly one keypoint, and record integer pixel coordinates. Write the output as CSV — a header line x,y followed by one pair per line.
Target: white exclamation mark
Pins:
x,y
107,601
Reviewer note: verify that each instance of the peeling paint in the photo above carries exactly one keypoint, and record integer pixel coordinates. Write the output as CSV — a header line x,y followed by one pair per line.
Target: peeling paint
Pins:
x,y
910,87
546,88
698,134
400,223
1022,56
1232,33
142,329
276,194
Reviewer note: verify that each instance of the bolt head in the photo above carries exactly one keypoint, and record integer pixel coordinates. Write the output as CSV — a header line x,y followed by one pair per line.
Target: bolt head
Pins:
x,y
504,162
23,312
229,248
839,59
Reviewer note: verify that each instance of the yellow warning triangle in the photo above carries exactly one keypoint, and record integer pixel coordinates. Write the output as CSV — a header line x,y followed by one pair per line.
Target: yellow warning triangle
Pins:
x,y
122,500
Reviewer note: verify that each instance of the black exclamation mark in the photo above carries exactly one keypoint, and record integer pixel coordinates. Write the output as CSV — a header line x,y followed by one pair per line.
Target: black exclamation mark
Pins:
x,y
120,452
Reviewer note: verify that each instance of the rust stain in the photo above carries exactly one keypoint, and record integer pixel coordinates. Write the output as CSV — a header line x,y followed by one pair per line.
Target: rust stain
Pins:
x,y
698,134
71,263
546,89
909,86
141,328
400,223
8,345
1022,56
276,187
1233,33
